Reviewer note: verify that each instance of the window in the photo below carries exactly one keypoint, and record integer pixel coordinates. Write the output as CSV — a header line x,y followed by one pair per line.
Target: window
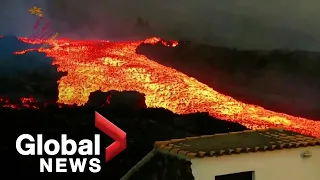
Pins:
x,y
236,176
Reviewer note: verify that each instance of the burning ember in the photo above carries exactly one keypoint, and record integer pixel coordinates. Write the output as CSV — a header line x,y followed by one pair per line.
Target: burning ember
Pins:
x,y
103,65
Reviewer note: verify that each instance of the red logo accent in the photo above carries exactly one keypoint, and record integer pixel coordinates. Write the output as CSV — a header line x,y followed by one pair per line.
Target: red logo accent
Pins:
x,y
115,133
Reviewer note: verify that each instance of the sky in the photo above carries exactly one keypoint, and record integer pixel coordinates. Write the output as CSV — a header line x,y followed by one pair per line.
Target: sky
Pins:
x,y
246,24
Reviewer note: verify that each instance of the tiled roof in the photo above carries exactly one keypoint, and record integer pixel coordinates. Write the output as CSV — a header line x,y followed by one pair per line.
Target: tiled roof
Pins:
x,y
236,142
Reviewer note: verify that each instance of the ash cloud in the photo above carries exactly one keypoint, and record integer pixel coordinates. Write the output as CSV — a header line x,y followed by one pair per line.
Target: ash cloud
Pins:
x,y
290,24
15,19
249,24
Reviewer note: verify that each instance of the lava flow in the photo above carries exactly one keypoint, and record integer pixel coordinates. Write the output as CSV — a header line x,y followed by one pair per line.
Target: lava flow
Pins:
x,y
94,65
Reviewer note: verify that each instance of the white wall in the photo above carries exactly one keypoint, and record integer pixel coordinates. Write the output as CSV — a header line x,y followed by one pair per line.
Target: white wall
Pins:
x,y
273,165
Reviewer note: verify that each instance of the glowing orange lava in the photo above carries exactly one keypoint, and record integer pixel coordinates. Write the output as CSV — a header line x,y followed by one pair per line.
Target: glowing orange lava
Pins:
x,y
94,65
25,102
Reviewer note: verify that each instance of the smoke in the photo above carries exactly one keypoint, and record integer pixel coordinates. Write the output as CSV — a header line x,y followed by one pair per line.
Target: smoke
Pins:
x,y
249,24
15,18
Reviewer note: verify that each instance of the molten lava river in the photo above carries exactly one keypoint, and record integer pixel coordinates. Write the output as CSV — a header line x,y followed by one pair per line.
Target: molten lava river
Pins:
x,y
94,65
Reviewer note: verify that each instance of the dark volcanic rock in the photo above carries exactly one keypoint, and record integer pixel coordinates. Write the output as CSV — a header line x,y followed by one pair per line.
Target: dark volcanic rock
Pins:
x,y
10,44
205,124
128,99
99,98
117,99
41,85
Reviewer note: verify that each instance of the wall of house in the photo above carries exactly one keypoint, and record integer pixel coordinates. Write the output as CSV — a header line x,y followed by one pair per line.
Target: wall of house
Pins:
x,y
273,165
161,166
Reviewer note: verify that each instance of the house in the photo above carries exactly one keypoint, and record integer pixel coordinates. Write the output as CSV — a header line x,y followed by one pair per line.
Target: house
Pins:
x,y
270,154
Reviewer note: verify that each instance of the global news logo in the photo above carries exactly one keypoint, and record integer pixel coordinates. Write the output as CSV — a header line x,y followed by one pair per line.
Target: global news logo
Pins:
x,y
85,147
